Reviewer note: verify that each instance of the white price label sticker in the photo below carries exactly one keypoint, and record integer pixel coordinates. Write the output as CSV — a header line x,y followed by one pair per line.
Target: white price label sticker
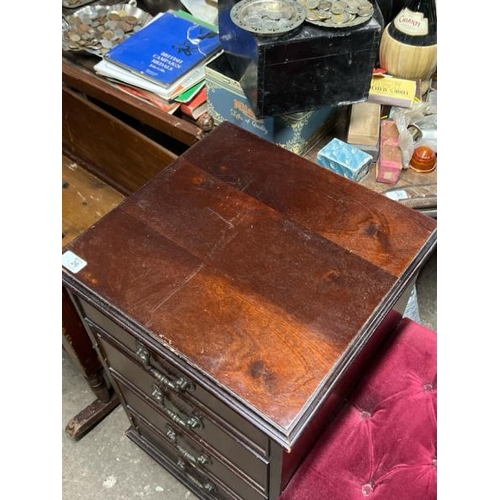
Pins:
x,y
400,194
72,262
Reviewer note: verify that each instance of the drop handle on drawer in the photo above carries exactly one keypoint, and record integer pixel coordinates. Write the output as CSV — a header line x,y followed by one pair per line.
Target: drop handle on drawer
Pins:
x,y
190,457
205,486
179,384
190,422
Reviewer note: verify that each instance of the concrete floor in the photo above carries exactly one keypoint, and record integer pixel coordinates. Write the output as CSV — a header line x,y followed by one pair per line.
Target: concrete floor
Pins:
x,y
106,465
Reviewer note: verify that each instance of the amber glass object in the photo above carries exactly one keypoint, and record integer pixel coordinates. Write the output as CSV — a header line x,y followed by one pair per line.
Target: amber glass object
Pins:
x,y
423,159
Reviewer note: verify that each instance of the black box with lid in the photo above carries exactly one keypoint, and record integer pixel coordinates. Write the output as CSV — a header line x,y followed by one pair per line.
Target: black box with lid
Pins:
x,y
307,68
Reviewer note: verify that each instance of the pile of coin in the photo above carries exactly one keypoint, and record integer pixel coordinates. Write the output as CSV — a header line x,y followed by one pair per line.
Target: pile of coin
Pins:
x,y
99,30
337,13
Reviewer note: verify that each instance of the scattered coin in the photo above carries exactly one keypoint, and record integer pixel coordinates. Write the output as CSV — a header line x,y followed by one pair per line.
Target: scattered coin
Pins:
x,y
337,13
104,28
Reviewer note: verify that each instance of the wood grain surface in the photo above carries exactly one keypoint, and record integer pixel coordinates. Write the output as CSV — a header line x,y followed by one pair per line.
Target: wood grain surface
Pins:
x,y
110,149
422,186
78,73
370,225
85,199
262,271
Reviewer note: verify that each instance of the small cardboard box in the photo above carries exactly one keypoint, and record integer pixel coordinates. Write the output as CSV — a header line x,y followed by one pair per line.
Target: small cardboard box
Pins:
x,y
296,132
390,161
345,160
364,127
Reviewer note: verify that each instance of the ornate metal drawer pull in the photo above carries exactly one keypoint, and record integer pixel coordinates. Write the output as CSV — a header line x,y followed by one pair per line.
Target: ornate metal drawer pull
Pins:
x,y
201,459
205,486
179,384
191,422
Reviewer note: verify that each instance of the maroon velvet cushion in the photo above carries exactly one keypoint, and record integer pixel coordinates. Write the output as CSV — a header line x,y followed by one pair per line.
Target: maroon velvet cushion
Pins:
x,y
383,443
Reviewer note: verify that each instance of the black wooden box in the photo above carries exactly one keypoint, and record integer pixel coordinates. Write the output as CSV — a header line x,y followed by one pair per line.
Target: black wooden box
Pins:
x,y
308,68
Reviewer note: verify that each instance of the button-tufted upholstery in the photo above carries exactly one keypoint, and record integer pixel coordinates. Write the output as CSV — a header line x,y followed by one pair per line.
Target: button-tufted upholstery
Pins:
x,y
382,445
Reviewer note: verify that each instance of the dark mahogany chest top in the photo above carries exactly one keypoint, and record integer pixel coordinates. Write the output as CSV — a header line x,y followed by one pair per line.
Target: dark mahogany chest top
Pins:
x,y
259,279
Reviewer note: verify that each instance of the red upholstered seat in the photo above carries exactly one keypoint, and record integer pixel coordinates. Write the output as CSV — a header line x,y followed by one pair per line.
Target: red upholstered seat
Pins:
x,y
383,443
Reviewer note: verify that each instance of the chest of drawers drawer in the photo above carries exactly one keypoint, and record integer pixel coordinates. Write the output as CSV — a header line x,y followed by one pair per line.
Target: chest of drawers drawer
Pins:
x,y
197,454
166,408
170,376
203,483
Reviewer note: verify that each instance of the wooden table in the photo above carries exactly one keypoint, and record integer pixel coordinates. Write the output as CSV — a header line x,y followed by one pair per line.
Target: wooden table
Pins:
x,y
78,74
177,133
420,188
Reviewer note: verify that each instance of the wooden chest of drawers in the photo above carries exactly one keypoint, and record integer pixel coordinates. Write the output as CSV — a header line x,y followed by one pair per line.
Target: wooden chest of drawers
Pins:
x,y
234,300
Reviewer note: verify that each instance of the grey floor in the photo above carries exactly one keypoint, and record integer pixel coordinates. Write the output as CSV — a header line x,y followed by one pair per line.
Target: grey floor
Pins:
x,y
106,465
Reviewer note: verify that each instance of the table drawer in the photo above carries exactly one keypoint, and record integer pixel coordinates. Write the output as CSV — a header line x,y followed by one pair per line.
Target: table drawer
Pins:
x,y
110,148
192,418
197,454
176,379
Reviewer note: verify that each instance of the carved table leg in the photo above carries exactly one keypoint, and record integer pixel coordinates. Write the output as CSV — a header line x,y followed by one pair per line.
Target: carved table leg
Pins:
x,y
79,347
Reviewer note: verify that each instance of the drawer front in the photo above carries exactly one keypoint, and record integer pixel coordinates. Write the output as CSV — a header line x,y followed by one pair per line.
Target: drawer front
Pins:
x,y
139,158
173,439
172,409
177,380
201,482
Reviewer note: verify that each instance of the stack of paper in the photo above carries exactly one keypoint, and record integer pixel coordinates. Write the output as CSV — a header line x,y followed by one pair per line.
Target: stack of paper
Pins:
x,y
166,57
197,105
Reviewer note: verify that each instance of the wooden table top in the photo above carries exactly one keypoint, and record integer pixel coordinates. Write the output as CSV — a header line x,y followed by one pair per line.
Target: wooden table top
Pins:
x,y
263,272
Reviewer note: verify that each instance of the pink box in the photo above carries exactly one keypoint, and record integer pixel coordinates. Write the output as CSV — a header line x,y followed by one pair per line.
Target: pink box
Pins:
x,y
390,161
